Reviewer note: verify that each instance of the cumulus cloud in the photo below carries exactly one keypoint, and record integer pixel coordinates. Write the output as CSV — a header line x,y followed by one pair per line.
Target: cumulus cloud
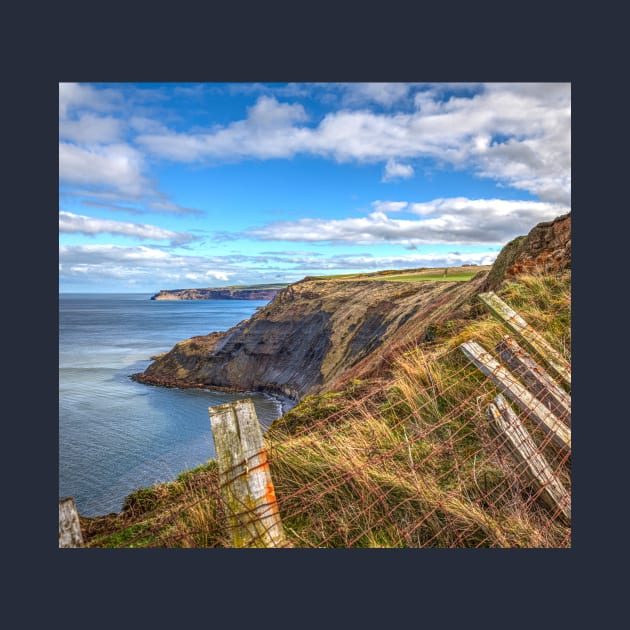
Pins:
x,y
145,265
95,160
389,206
118,166
76,96
396,170
70,223
456,220
91,129
384,94
517,134
269,131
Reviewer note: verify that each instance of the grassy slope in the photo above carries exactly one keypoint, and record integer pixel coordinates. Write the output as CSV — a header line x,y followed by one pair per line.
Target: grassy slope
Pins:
x,y
382,464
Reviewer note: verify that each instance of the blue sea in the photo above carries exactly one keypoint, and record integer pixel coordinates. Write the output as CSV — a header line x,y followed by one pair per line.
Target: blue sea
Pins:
x,y
116,435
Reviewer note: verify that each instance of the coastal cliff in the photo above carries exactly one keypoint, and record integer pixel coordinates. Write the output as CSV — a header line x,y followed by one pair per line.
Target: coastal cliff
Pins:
x,y
320,333
311,334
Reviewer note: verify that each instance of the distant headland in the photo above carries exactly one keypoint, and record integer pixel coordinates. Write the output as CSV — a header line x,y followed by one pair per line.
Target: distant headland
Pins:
x,y
249,292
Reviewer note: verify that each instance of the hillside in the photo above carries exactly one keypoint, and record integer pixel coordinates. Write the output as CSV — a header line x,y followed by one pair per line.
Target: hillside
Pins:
x,y
403,460
315,331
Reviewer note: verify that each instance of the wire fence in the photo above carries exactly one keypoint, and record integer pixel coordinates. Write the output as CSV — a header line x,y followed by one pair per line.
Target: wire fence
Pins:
x,y
418,468
435,457
413,463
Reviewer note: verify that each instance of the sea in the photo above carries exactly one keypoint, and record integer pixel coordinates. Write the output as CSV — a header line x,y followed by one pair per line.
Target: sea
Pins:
x,y
116,435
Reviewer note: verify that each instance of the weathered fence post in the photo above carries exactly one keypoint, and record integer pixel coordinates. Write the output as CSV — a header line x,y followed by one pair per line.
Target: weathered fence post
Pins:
x,y
246,484
537,381
517,324
69,527
534,465
510,386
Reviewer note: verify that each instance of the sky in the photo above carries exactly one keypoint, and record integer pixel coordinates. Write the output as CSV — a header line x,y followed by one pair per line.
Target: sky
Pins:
x,y
183,185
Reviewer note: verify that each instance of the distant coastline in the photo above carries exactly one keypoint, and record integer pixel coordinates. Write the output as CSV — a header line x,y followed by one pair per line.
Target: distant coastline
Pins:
x,y
251,292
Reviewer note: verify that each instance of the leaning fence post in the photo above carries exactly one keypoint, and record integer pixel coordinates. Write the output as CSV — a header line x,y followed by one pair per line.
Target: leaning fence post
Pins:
x,y
246,485
532,462
69,527
510,386
537,381
517,324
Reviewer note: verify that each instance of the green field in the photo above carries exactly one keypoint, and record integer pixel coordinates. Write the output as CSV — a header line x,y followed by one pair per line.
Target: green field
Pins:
x,y
455,277
453,274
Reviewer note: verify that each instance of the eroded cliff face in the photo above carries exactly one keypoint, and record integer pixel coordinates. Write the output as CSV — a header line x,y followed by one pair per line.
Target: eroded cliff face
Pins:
x,y
546,249
316,335
310,335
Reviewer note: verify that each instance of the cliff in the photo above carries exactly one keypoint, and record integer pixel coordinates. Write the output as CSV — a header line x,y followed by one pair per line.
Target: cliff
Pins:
x,y
226,293
318,334
546,249
312,333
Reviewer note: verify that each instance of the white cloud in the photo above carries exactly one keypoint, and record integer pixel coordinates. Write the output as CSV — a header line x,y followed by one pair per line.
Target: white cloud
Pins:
x,y
370,263
118,166
389,206
144,265
517,134
385,94
123,203
396,170
267,132
70,223
94,161
91,129
458,220
76,96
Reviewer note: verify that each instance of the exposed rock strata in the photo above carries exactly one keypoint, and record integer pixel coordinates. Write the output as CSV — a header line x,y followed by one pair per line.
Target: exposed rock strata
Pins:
x,y
546,249
313,332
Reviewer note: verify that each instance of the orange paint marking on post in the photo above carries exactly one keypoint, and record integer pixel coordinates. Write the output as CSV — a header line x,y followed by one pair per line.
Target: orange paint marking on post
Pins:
x,y
246,485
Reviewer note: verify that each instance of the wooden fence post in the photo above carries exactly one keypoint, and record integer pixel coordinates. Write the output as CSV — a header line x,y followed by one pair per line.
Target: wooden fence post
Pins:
x,y
246,484
69,527
517,324
534,465
537,381
509,385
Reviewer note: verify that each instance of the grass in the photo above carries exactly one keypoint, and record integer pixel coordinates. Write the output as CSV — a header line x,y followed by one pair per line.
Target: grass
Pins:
x,y
450,274
409,462
460,277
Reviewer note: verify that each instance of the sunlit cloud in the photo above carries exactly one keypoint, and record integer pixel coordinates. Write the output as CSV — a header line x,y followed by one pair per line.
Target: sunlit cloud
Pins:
x,y
457,220
70,223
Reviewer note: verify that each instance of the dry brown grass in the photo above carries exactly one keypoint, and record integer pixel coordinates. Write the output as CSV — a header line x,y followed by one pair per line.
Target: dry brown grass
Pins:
x,y
409,463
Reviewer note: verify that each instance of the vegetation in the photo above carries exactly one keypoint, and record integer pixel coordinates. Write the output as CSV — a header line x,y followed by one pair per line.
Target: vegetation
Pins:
x,y
269,285
408,462
451,277
452,274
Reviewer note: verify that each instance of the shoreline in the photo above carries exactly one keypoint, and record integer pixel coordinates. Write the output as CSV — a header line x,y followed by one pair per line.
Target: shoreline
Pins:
x,y
284,402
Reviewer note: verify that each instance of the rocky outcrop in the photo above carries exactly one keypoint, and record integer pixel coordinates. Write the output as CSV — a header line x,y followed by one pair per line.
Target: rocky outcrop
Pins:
x,y
228,293
546,249
311,334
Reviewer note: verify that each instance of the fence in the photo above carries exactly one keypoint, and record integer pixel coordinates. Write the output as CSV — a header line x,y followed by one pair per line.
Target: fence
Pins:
x,y
465,448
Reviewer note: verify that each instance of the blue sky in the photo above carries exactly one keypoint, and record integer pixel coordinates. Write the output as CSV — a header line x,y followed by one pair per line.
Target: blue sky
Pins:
x,y
166,186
